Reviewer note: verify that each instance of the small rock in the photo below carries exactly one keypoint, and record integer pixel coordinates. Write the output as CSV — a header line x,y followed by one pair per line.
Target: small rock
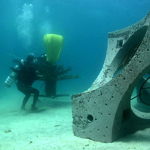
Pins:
x,y
7,131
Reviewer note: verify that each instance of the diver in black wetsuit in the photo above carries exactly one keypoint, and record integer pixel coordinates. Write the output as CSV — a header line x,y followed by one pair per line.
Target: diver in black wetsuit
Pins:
x,y
26,76
26,73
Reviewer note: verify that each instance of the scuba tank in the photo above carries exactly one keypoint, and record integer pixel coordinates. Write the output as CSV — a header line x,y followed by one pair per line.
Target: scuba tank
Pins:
x,y
12,77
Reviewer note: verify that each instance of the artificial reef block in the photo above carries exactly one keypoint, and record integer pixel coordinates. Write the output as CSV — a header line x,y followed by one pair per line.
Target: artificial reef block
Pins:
x,y
53,45
105,112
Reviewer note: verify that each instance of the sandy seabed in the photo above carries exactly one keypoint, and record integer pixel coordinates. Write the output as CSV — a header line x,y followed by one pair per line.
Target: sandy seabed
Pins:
x,y
51,128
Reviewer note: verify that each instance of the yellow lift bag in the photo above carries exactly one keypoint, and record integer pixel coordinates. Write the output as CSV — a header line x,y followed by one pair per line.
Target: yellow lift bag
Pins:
x,y
53,45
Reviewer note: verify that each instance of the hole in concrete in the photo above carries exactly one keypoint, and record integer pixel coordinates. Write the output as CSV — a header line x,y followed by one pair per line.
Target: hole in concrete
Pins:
x,y
126,113
89,118
140,99
119,43
80,102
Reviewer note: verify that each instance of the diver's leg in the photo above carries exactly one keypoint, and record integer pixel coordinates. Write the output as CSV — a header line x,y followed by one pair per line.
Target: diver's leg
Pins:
x,y
26,98
26,91
35,97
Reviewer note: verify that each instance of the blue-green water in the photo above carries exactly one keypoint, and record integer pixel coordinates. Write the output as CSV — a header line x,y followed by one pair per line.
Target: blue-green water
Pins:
x,y
84,24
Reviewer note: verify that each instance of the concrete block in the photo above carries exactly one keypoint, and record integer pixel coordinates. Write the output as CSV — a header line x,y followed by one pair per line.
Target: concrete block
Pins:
x,y
105,112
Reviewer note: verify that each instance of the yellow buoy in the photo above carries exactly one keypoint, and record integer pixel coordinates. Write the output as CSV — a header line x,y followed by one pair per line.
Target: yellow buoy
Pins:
x,y
53,45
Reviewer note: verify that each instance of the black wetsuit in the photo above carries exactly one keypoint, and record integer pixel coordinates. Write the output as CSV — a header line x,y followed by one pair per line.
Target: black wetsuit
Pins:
x,y
26,76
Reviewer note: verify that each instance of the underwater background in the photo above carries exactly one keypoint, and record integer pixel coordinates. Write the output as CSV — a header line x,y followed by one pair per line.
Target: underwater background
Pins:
x,y
84,24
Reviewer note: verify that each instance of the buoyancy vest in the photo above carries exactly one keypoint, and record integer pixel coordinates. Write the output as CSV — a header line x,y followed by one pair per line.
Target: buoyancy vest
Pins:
x,y
26,73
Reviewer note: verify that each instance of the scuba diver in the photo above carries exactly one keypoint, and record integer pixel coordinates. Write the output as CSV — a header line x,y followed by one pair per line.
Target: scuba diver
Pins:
x,y
25,73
